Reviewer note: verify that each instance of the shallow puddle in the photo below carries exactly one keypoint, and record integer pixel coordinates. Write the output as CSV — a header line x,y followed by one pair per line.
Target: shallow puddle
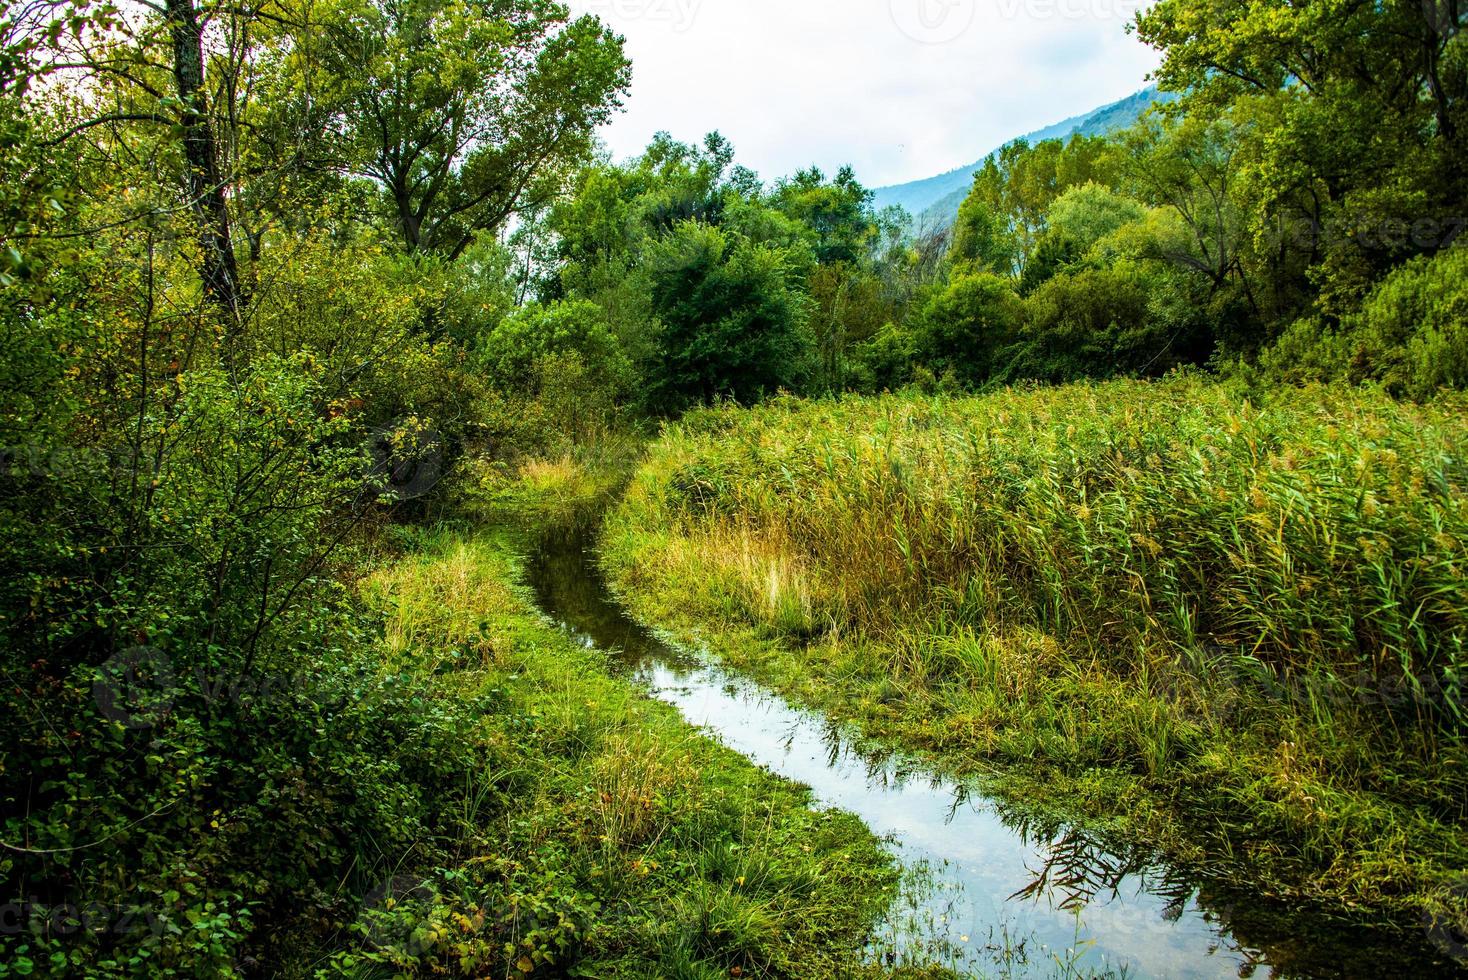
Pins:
x,y
994,890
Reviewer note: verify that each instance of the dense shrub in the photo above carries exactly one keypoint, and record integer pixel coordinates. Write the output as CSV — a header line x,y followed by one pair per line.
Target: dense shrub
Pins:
x,y
965,328
189,693
733,319
1411,334
1131,318
1075,223
515,352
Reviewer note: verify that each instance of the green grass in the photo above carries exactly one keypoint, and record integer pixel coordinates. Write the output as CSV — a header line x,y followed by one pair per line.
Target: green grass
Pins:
x,y
1233,630
613,839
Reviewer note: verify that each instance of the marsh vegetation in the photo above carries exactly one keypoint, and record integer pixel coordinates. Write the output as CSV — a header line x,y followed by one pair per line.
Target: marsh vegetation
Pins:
x,y
1116,521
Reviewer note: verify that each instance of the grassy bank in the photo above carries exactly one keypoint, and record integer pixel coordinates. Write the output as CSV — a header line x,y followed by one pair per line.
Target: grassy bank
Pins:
x,y
613,840
1235,630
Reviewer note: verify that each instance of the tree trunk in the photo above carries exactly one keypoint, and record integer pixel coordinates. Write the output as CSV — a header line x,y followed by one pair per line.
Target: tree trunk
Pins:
x,y
201,157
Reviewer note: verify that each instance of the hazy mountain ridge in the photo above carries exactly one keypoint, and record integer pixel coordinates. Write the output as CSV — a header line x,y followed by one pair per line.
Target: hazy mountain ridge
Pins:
x,y
938,198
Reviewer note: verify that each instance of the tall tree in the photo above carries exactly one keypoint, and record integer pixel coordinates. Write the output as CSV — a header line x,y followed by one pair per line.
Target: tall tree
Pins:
x,y
467,112
203,178
1356,115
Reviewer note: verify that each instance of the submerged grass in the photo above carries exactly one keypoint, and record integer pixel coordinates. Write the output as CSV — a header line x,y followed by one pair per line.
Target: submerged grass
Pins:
x,y
1235,629
614,840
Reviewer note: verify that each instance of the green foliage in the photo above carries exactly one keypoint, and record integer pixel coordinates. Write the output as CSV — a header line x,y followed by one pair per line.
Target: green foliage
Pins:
x,y
732,319
1411,334
1125,319
838,214
809,252
513,351
1084,215
561,373
1336,142
1016,187
979,238
181,702
964,328
463,112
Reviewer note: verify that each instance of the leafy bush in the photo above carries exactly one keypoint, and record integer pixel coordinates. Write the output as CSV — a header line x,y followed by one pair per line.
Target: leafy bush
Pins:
x,y
1075,223
1411,334
733,319
516,352
1086,214
964,328
1132,318
558,374
190,694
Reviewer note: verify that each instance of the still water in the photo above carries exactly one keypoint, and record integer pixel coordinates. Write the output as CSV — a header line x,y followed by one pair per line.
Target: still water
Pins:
x,y
993,889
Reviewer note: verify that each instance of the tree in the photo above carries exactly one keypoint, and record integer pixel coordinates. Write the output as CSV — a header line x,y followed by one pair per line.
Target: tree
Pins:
x,y
513,351
1191,167
204,180
123,60
466,113
837,213
1005,210
1079,218
1129,318
981,240
964,328
732,318
1348,118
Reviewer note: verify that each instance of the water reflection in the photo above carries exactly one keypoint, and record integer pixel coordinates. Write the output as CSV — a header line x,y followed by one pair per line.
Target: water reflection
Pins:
x,y
996,888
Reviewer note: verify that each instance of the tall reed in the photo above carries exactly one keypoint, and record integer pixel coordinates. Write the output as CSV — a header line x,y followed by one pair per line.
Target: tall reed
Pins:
x,y
1258,607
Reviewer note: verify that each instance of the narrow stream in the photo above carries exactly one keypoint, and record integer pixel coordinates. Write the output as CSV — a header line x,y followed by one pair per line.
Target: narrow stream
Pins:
x,y
996,891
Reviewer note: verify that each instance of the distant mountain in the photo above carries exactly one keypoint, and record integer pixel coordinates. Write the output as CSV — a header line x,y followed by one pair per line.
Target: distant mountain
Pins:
x,y
938,198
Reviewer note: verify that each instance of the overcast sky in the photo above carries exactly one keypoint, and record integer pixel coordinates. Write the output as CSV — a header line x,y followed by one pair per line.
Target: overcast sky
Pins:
x,y
900,89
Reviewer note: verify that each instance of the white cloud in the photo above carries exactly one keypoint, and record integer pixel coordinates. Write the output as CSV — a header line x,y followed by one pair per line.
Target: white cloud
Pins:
x,y
900,89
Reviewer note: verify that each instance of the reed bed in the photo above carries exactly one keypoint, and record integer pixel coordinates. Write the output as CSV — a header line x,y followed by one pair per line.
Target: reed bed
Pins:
x,y
1250,614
